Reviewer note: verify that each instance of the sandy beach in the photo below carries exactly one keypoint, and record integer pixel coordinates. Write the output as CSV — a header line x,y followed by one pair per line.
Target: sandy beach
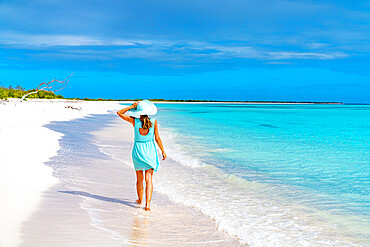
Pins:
x,y
262,107
25,146
67,179
58,188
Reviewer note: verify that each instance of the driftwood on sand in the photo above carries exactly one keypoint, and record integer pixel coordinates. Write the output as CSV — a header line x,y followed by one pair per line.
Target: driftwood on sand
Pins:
x,y
73,108
50,86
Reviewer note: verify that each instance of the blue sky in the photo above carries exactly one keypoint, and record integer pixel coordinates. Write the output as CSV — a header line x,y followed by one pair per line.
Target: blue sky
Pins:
x,y
222,50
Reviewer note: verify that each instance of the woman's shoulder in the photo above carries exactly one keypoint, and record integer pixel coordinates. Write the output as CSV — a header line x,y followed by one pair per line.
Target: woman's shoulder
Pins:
x,y
153,120
136,120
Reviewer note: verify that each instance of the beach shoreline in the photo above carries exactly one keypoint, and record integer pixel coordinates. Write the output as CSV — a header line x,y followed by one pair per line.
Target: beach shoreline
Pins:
x,y
86,193
25,146
228,102
105,188
85,175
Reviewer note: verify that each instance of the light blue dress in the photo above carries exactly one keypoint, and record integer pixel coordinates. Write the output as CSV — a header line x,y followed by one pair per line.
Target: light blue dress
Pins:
x,y
144,153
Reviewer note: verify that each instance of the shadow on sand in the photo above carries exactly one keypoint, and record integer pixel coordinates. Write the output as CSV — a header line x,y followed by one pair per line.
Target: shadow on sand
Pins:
x,y
102,198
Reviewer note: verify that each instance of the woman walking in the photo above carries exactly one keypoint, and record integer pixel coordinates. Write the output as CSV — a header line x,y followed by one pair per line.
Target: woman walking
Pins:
x,y
144,153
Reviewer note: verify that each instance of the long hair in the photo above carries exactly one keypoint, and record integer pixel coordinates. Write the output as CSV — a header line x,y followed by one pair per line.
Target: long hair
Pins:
x,y
145,122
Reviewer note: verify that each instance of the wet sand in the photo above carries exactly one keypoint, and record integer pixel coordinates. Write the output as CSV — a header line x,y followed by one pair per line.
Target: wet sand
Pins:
x,y
94,202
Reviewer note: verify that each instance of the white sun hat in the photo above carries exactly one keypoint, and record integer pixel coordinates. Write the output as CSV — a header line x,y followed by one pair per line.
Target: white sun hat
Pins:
x,y
144,107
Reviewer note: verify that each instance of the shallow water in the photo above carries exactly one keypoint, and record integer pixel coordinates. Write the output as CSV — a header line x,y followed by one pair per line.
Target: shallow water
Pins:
x,y
268,175
272,174
94,164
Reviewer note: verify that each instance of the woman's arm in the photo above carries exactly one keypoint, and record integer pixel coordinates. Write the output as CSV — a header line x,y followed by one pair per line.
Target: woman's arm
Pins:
x,y
158,140
122,112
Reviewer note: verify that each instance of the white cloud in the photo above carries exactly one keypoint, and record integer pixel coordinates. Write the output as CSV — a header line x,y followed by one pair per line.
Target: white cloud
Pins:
x,y
169,50
279,62
57,40
316,45
238,51
227,52
281,55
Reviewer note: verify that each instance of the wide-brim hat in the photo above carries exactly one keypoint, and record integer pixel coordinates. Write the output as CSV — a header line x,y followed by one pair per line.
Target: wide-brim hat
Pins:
x,y
144,107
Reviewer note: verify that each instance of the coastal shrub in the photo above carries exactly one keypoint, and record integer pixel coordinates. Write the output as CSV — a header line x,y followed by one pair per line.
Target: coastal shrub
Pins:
x,y
18,92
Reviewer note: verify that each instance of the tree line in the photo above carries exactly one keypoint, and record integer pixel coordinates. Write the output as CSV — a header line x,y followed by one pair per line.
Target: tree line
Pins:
x,y
18,92
37,93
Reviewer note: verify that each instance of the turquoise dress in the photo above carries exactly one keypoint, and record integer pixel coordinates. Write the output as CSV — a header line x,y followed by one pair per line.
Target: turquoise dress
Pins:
x,y
144,153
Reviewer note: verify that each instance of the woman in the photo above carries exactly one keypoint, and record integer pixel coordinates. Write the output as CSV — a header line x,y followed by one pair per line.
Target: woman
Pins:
x,y
144,153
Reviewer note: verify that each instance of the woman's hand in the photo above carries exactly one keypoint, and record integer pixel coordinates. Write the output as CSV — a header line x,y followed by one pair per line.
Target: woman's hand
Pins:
x,y
122,112
164,155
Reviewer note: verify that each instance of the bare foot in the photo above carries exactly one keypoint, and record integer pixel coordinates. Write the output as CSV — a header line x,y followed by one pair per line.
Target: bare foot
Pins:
x,y
139,202
147,207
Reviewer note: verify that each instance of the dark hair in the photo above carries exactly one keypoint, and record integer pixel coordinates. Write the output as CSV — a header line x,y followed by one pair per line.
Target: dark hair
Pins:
x,y
145,122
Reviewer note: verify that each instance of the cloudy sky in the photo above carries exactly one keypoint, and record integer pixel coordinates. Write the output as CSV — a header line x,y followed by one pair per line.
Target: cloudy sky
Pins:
x,y
306,50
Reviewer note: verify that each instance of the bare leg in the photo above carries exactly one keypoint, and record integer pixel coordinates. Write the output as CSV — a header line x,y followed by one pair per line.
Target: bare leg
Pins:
x,y
149,188
139,186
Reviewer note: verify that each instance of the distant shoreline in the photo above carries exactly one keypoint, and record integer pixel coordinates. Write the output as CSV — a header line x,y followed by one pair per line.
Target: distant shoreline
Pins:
x,y
160,101
192,101
218,101
255,102
19,92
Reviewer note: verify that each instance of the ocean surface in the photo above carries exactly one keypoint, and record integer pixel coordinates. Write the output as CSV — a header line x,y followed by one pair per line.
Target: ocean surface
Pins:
x,y
272,174
267,175
95,169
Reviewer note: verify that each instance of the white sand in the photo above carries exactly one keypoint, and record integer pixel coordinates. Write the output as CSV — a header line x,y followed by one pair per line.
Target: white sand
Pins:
x,y
25,145
101,184
64,190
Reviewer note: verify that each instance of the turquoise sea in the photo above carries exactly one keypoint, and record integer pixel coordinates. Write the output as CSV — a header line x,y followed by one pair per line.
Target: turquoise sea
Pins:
x,y
269,174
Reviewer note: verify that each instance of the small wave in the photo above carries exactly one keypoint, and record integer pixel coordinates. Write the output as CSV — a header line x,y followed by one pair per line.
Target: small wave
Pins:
x,y
253,212
241,210
96,221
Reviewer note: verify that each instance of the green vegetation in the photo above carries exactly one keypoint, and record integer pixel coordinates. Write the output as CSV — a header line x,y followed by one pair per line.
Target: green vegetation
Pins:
x,y
18,92
215,101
